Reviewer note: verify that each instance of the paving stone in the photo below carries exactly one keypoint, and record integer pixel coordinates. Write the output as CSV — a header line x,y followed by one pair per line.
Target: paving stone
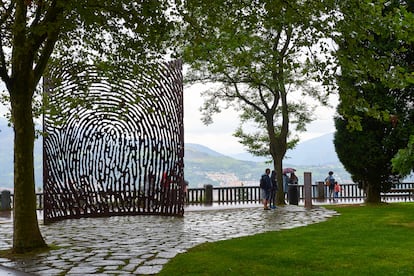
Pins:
x,y
46,271
136,261
156,262
82,270
147,256
115,272
167,254
76,259
63,244
130,267
111,267
143,244
121,256
110,263
95,259
63,266
148,269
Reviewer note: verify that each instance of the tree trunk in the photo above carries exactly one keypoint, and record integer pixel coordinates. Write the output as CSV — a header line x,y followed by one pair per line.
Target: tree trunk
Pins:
x,y
26,235
278,147
373,194
280,196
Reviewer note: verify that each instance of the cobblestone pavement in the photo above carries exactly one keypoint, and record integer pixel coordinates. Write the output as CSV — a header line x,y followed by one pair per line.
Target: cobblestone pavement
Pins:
x,y
143,244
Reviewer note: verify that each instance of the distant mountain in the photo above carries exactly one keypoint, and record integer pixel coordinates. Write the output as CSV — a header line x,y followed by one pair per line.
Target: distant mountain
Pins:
x,y
317,151
248,157
201,150
227,171
205,166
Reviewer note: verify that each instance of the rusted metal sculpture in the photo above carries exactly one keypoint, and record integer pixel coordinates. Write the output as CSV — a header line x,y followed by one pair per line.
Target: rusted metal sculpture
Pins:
x,y
113,148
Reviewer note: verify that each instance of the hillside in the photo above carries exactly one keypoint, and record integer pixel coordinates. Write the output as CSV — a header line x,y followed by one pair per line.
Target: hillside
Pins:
x,y
205,166
224,170
317,151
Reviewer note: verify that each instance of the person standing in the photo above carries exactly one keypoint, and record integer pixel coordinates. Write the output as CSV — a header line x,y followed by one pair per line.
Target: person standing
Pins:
x,y
337,189
293,193
293,178
273,190
330,182
266,186
285,178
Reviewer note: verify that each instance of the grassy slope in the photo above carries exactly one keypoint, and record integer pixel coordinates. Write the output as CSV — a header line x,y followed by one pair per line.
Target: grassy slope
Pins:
x,y
369,240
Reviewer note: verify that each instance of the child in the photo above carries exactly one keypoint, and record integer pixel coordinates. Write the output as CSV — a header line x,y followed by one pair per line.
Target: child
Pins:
x,y
337,189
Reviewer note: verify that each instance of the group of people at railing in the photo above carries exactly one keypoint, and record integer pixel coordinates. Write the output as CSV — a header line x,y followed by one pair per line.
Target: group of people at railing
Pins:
x,y
253,194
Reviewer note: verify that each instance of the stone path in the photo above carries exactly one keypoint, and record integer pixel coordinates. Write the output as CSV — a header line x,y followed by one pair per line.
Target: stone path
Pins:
x,y
134,245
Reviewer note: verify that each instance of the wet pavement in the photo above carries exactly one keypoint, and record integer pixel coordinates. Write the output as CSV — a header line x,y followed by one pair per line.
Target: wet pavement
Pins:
x,y
131,245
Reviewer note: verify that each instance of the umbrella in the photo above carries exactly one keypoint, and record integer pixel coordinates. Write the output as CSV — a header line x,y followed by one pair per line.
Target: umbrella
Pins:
x,y
288,170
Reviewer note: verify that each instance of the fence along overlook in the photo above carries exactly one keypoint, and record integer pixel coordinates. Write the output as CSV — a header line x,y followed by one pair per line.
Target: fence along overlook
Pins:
x,y
242,195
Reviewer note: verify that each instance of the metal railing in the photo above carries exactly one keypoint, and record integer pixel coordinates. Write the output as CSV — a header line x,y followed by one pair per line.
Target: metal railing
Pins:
x,y
223,195
251,194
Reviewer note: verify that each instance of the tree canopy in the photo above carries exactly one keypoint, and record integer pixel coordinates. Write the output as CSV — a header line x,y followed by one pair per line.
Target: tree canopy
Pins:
x,y
375,88
367,154
118,36
258,53
376,45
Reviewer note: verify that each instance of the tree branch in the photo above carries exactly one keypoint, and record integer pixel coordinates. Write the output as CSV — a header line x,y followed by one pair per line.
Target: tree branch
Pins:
x,y
7,14
38,12
44,57
52,25
3,66
287,42
242,97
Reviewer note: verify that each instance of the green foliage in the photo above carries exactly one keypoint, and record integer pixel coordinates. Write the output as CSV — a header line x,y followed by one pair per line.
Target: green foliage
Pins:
x,y
403,162
376,94
257,52
118,37
115,35
360,241
375,41
367,154
119,33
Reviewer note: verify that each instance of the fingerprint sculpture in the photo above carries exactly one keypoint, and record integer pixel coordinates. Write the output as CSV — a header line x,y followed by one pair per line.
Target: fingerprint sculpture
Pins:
x,y
113,148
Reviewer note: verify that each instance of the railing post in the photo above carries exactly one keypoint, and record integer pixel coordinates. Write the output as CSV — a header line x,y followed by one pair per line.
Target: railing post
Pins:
x,y
5,203
208,200
307,177
321,191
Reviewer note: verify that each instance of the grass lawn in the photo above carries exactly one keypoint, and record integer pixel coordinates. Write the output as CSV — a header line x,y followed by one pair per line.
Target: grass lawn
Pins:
x,y
363,240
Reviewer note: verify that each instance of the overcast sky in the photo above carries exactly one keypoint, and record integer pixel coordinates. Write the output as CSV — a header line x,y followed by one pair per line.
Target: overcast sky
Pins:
x,y
219,135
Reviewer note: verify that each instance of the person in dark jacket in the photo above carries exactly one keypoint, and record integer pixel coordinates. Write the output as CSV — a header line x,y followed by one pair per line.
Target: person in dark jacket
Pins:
x,y
273,190
330,182
266,187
